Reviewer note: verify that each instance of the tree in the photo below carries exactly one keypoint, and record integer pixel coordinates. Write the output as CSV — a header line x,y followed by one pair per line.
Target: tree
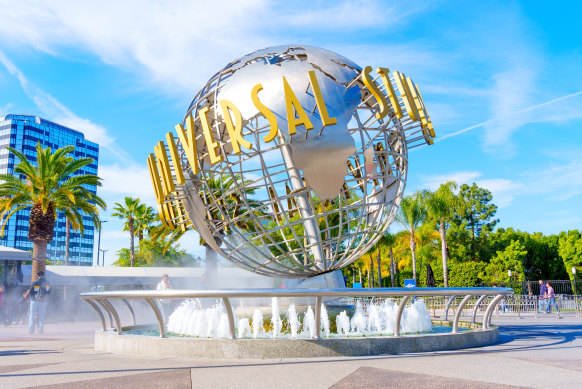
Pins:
x,y
467,274
411,214
570,249
442,205
511,258
389,239
50,186
152,252
542,260
476,217
144,217
84,202
128,212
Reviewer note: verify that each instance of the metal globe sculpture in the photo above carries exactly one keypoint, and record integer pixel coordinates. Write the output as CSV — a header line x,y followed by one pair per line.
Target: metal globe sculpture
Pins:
x,y
291,161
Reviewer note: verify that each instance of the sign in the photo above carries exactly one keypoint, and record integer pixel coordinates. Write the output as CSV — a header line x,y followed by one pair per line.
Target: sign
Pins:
x,y
197,135
356,285
410,283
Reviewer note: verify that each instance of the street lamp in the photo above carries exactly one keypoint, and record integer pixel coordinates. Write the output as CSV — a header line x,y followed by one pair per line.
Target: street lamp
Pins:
x,y
509,274
99,241
103,262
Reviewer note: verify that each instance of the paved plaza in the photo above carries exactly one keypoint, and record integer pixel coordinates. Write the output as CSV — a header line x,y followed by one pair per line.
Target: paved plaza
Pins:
x,y
544,352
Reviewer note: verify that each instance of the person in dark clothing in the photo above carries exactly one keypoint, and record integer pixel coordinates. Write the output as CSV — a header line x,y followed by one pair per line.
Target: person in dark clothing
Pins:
x,y
542,306
38,293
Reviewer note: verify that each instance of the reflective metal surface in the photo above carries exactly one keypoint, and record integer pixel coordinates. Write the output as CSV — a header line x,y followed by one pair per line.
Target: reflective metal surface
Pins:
x,y
301,204
153,295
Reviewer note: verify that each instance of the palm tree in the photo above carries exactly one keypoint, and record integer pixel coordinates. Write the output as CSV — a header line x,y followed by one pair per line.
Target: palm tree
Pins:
x,y
74,219
411,214
144,218
443,205
50,186
128,212
389,239
74,211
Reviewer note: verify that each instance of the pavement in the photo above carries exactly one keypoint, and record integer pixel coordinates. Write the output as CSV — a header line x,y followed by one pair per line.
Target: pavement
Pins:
x,y
544,352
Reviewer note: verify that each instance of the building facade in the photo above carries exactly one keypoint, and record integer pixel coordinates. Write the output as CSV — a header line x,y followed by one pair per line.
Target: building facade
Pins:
x,y
23,133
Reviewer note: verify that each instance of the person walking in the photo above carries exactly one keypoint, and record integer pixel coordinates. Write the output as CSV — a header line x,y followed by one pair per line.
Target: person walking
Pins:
x,y
542,305
38,293
551,299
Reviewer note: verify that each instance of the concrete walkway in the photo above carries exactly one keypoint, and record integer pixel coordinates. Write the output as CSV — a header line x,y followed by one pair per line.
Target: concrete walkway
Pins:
x,y
544,352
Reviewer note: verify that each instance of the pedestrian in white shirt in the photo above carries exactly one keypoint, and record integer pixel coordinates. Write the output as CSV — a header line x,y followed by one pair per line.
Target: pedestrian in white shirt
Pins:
x,y
164,284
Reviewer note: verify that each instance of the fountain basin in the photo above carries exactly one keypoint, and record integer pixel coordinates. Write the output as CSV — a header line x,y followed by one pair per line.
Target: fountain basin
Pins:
x,y
126,340
475,336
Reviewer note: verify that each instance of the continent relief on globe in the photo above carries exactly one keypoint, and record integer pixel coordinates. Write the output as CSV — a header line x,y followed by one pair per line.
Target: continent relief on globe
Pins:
x,y
307,111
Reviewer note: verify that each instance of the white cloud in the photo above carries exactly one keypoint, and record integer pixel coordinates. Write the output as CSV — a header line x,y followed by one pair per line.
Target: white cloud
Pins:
x,y
509,95
561,180
433,182
4,110
544,112
182,43
121,181
502,189
58,112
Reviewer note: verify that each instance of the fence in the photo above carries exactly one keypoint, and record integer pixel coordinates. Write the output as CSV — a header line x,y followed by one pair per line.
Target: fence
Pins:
x,y
532,288
516,305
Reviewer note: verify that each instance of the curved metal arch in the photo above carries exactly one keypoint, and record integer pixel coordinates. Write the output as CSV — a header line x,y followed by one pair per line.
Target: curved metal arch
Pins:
x,y
230,316
115,315
401,306
475,308
489,311
98,310
108,312
130,311
448,306
459,311
159,316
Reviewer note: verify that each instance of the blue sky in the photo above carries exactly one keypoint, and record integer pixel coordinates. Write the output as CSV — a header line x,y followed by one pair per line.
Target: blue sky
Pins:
x,y
501,80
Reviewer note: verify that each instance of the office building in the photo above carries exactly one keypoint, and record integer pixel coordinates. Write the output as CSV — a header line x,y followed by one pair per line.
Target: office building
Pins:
x,y
23,133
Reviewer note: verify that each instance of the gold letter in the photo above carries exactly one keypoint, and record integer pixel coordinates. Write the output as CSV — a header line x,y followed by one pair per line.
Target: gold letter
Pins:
x,y
189,142
371,85
175,159
267,113
211,144
325,119
234,131
164,165
400,79
155,176
291,102
383,72
168,215
424,118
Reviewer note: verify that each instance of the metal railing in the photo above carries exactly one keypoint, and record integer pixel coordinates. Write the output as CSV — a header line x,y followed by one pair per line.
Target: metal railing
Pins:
x,y
101,301
568,287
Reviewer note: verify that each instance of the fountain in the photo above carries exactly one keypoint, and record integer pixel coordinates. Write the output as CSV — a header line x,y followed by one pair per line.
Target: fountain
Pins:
x,y
291,162
377,321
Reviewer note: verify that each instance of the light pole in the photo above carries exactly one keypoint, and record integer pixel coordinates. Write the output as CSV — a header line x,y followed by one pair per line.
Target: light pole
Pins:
x,y
509,274
103,262
99,241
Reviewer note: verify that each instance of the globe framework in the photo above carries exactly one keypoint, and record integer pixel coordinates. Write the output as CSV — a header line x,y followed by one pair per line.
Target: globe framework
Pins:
x,y
300,205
